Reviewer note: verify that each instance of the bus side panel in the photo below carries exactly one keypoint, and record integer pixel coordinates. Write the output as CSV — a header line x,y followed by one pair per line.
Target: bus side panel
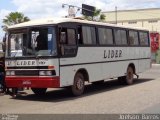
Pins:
x,y
144,64
117,69
104,62
90,60
67,73
117,66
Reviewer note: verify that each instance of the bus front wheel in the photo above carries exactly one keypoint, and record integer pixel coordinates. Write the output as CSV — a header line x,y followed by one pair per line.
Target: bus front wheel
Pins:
x,y
39,91
78,84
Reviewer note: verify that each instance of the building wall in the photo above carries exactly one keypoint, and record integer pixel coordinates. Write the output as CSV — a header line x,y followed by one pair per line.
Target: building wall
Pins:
x,y
146,18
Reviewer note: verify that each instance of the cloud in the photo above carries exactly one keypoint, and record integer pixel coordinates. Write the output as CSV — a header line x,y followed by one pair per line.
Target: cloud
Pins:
x,y
43,8
36,9
131,4
4,12
47,8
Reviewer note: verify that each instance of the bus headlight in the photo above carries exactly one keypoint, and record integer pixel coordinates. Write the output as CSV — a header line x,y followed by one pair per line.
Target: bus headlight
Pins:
x,y
45,73
42,73
8,73
48,73
12,73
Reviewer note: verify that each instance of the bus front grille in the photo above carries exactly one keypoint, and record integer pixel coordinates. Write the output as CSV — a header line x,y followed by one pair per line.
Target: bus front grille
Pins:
x,y
27,72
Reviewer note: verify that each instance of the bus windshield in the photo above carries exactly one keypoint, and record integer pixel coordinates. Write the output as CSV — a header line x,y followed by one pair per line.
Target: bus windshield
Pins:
x,y
37,41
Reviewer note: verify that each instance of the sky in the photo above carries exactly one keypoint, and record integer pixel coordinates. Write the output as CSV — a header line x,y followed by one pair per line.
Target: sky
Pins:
x,y
36,9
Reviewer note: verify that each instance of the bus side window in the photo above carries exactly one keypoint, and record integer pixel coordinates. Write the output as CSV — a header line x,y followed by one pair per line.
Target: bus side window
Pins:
x,y
63,37
80,40
71,36
89,35
68,41
68,36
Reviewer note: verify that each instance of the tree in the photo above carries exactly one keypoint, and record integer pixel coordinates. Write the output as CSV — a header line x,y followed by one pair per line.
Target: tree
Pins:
x,y
97,16
14,18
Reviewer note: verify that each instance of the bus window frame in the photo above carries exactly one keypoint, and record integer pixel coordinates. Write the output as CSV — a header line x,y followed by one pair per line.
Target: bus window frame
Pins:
x,y
120,45
147,36
28,29
138,38
96,36
106,27
67,25
77,25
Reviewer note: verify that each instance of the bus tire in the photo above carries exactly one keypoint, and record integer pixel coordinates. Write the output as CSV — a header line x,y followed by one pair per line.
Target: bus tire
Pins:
x,y
129,76
39,91
78,84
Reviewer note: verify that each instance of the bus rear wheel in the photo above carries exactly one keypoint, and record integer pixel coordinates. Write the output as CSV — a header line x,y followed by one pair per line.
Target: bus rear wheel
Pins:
x,y
129,76
78,85
39,91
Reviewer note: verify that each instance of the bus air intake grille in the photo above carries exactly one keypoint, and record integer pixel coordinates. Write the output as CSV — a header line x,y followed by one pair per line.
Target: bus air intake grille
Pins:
x,y
27,73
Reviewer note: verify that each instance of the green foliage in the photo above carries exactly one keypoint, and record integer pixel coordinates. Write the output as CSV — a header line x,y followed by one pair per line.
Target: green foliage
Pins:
x,y
14,18
102,17
97,16
97,12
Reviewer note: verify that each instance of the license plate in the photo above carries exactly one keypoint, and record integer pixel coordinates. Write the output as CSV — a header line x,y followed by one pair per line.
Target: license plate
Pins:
x,y
26,82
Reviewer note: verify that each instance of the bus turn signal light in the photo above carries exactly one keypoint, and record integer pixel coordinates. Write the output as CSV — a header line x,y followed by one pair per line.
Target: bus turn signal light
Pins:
x,y
50,67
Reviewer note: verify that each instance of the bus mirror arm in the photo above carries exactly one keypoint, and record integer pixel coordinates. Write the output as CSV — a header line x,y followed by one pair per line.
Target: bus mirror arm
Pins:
x,y
62,49
4,42
63,38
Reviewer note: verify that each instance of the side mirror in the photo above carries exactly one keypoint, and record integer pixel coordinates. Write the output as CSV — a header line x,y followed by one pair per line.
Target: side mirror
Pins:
x,y
3,47
5,37
63,37
4,43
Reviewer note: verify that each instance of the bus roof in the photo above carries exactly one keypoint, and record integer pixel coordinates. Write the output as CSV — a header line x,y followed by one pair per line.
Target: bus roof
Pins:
x,y
52,21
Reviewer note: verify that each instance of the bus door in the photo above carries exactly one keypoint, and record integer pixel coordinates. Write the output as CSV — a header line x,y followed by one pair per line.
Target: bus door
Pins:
x,y
68,52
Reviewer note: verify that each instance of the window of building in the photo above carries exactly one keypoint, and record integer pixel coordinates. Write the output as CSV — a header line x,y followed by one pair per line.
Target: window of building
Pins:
x,y
152,21
89,35
120,37
132,22
144,40
105,36
133,37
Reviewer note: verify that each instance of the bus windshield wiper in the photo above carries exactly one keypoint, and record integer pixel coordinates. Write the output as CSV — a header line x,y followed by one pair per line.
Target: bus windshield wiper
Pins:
x,y
14,53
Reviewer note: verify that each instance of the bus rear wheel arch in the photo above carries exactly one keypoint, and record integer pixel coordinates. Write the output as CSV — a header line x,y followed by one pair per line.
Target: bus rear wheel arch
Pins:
x,y
129,77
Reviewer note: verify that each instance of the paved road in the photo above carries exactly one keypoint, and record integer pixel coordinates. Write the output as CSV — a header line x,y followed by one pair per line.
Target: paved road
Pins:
x,y
142,97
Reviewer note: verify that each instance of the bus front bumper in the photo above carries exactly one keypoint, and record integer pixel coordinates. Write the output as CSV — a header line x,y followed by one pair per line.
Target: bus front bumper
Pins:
x,y
33,82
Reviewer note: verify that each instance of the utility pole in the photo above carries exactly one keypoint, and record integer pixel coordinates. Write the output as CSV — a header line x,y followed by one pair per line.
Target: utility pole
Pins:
x,y
116,15
72,12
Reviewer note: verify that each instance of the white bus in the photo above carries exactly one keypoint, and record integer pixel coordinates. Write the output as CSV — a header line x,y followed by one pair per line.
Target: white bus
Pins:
x,y
65,52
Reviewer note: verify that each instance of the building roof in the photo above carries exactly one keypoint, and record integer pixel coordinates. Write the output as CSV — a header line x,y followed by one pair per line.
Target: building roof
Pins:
x,y
131,15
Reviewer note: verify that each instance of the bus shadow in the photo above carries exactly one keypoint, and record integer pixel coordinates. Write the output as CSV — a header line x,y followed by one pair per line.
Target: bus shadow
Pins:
x,y
62,94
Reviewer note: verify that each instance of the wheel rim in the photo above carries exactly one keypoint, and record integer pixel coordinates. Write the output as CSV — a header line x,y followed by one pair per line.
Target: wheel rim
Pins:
x,y
129,76
79,84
